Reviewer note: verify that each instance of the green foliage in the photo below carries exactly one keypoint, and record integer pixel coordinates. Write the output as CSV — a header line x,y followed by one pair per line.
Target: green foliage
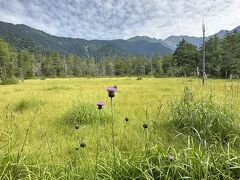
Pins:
x,y
185,59
214,57
168,65
7,59
222,58
206,119
86,113
8,80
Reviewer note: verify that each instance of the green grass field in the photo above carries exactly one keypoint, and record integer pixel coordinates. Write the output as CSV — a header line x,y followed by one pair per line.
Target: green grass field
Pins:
x,y
39,139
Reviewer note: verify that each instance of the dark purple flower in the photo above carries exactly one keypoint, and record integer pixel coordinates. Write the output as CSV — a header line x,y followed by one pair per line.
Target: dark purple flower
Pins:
x,y
111,91
76,126
82,144
145,125
100,105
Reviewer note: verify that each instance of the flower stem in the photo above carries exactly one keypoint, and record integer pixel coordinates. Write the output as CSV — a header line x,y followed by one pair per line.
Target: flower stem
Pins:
x,y
124,132
113,141
97,144
146,142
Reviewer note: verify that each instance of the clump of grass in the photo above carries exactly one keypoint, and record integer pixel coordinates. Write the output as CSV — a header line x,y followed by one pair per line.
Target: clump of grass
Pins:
x,y
86,113
55,87
27,103
139,78
206,118
189,80
17,89
165,89
170,162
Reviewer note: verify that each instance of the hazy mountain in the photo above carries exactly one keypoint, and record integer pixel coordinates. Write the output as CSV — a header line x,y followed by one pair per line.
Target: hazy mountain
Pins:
x,y
221,34
173,41
148,39
25,37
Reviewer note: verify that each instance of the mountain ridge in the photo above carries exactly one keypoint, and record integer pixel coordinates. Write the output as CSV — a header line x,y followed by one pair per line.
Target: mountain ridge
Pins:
x,y
25,37
21,36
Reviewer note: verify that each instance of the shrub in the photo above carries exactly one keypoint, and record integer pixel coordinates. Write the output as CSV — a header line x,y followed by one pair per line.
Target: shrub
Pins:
x,y
42,78
204,118
8,80
139,78
86,113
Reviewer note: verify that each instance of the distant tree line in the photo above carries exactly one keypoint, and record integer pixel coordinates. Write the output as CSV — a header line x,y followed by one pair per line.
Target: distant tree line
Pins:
x,y
23,64
222,60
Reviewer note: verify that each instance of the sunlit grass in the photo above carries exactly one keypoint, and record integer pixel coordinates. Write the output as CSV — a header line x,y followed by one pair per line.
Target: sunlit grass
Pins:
x,y
51,142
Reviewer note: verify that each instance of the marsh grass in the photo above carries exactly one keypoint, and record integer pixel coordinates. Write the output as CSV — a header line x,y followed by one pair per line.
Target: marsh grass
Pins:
x,y
169,162
47,149
206,118
85,113
30,167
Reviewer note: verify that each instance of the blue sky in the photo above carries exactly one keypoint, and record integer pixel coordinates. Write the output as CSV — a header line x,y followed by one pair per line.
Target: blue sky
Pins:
x,y
112,19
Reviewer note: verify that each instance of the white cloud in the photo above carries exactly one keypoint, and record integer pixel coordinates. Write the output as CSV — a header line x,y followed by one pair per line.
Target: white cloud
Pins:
x,y
110,19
